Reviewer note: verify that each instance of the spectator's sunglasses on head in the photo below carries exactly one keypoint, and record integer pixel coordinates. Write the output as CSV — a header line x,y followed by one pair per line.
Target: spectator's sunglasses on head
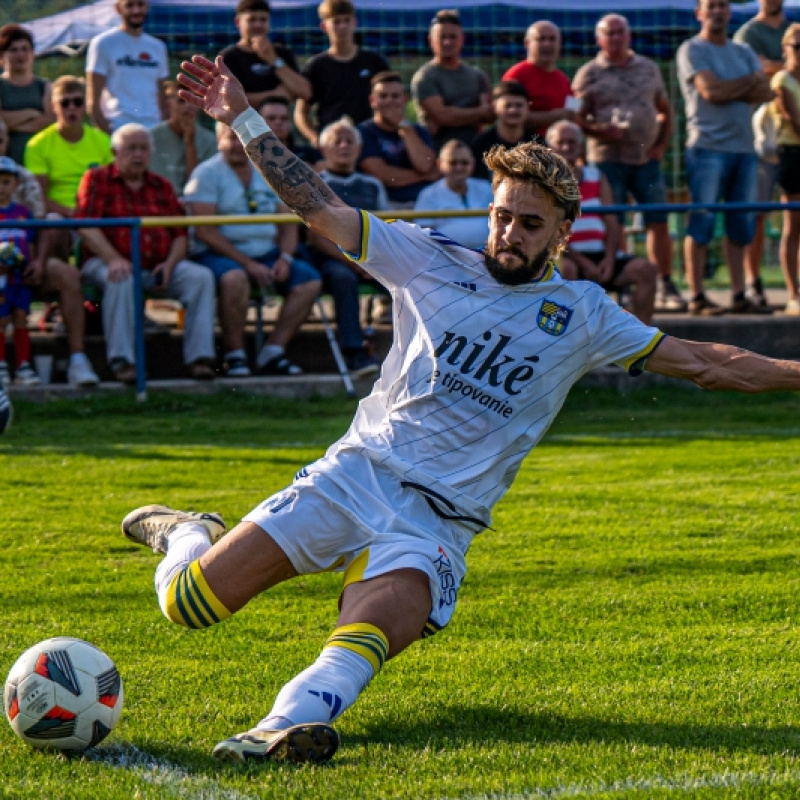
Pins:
x,y
66,102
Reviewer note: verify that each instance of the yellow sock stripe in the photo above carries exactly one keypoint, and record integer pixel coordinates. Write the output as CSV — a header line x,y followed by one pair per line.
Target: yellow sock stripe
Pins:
x,y
191,602
364,639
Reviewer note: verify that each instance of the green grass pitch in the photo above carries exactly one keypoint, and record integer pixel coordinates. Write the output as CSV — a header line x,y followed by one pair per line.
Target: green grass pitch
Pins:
x,y
630,629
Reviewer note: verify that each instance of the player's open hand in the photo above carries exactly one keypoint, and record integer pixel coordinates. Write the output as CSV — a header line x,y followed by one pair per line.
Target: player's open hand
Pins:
x,y
212,87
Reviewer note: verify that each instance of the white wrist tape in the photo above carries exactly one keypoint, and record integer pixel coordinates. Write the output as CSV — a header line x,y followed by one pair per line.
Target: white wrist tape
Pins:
x,y
249,125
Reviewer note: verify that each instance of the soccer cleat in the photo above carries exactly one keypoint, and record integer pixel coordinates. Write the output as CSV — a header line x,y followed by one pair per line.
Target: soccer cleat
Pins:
x,y
151,525
311,743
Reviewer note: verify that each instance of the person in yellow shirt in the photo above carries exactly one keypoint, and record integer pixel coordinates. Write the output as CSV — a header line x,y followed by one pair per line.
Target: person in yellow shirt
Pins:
x,y
62,152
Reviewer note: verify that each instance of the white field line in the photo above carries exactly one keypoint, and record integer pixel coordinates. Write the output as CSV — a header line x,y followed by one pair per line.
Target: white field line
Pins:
x,y
171,780
632,786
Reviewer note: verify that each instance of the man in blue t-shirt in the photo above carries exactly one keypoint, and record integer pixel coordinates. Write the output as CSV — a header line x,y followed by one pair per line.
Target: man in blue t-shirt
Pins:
x,y
398,153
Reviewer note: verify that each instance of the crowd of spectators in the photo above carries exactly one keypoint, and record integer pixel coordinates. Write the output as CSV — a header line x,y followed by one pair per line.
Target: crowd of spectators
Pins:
x,y
122,142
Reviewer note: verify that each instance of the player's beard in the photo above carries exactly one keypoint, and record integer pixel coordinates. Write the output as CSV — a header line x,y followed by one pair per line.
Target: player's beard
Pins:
x,y
525,272
776,11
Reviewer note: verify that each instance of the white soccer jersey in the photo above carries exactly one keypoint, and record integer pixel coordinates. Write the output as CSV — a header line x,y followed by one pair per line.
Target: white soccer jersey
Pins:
x,y
477,370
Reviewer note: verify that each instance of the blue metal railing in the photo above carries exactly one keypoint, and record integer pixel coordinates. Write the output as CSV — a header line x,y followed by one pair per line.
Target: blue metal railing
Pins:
x,y
137,223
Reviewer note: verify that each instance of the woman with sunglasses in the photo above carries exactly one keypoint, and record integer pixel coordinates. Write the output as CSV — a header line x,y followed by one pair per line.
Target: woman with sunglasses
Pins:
x,y
786,85
24,98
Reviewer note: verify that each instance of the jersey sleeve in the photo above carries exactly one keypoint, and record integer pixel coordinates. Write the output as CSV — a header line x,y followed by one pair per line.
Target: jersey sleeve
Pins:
x,y
617,337
393,251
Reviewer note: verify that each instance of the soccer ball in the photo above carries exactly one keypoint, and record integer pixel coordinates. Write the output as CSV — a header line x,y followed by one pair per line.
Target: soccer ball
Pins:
x,y
63,693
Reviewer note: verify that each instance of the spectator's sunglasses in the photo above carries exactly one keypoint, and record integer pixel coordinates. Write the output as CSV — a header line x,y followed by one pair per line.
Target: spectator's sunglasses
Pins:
x,y
66,102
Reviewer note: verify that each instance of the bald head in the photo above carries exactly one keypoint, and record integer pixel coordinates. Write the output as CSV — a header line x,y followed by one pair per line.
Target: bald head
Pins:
x,y
613,36
543,43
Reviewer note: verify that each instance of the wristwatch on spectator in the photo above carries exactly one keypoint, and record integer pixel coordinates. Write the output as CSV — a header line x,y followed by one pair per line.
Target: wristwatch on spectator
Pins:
x,y
278,63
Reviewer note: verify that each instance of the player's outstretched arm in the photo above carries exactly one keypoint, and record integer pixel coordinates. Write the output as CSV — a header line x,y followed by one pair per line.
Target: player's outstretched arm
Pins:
x,y
210,85
722,367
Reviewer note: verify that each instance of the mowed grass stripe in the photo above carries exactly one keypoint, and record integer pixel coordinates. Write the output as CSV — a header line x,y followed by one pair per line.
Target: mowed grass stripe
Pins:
x,y
629,628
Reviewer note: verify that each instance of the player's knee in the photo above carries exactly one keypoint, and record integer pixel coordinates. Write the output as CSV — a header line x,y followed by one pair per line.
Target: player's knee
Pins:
x,y
188,600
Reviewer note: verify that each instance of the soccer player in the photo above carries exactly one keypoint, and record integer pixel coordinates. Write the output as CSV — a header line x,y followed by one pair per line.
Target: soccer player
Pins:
x,y
486,347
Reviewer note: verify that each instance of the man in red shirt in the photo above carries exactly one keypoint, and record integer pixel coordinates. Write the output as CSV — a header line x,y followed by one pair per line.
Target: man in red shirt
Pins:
x,y
548,88
127,188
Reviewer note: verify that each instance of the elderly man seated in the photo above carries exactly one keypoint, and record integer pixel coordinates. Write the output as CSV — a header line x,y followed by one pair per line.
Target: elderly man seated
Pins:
x,y
126,188
340,143
241,256
593,252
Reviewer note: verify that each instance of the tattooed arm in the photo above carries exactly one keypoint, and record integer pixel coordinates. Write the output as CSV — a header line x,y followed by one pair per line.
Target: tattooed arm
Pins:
x,y
720,366
213,88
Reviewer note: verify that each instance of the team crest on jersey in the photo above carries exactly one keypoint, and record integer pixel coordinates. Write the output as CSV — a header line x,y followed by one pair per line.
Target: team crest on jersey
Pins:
x,y
553,318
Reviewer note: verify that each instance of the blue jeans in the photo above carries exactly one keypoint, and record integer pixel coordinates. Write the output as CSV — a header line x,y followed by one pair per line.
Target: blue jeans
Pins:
x,y
644,181
341,283
713,176
299,273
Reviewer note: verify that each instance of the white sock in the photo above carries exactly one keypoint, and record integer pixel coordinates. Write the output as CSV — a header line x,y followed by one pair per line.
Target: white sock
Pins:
x,y
186,543
322,692
268,352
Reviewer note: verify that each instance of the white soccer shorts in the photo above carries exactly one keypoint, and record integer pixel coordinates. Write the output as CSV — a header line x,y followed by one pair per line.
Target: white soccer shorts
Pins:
x,y
355,517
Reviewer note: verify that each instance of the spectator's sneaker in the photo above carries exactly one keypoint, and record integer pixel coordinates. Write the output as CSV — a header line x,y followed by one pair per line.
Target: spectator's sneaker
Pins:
x,y
5,375
151,525
124,371
361,363
280,365
313,743
6,411
25,375
80,372
668,298
756,295
703,307
201,370
792,307
236,367
742,305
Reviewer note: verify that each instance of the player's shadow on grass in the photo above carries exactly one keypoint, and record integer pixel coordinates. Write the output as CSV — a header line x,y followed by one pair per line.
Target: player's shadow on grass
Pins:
x,y
483,726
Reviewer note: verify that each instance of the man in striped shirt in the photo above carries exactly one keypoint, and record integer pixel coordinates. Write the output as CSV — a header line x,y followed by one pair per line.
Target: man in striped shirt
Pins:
x,y
487,345
594,252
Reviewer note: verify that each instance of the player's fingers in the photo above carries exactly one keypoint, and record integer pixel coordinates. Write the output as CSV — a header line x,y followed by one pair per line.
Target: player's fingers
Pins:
x,y
222,68
200,73
205,63
192,86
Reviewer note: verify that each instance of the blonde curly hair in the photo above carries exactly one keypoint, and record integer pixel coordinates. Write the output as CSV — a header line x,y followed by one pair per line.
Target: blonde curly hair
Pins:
x,y
540,166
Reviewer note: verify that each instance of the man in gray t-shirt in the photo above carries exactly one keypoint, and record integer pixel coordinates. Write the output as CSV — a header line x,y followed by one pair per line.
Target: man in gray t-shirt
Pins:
x,y
720,81
764,33
453,99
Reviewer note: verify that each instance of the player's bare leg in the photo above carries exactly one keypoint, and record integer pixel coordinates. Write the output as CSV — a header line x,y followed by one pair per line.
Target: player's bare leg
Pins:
x,y
379,618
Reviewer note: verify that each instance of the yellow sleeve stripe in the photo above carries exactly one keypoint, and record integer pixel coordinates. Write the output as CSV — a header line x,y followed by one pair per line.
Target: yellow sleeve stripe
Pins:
x,y
632,364
361,255
364,639
191,602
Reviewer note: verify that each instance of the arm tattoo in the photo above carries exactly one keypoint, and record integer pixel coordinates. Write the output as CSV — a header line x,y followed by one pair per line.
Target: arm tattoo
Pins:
x,y
291,179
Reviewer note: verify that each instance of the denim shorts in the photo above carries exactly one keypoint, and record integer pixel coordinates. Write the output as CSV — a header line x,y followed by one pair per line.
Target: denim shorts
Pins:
x,y
644,181
300,272
714,176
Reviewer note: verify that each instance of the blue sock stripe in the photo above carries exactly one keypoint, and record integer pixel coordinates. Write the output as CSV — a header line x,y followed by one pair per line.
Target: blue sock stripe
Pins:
x,y
376,647
195,591
370,640
179,601
192,600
